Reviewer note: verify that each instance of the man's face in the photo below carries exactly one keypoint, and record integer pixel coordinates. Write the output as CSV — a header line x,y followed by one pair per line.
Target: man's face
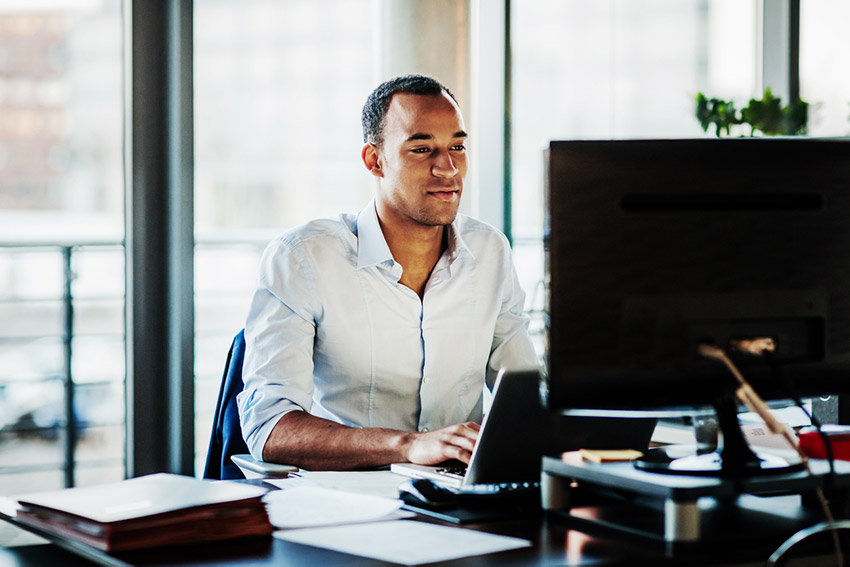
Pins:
x,y
422,161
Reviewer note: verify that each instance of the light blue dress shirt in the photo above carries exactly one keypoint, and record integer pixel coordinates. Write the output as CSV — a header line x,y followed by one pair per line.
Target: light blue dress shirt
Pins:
x,y
331,330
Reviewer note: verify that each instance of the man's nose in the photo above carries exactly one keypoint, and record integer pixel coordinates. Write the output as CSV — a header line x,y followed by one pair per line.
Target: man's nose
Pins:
x,y
443,165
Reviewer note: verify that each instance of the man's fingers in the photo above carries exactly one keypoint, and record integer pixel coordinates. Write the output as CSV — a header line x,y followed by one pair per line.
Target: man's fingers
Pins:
x,y
463,438
453,442
461,455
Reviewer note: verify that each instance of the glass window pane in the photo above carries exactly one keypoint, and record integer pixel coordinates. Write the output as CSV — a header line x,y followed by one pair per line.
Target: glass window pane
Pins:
x,y
31,358
60,129
278,91
609,69
618,69
31,428
61,143
279,86
824,59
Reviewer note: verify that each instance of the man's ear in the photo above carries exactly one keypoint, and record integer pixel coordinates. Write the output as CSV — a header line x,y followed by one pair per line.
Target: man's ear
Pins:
x,y
372,160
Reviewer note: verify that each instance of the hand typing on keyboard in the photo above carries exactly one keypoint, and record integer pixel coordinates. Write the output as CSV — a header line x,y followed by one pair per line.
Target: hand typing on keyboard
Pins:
x,y
452,443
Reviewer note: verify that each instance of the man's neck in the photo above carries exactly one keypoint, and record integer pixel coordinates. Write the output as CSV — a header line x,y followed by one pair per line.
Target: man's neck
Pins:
x,y
417,249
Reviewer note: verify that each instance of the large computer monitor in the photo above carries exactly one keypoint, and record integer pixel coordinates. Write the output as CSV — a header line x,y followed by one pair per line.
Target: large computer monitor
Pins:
x,y
656,246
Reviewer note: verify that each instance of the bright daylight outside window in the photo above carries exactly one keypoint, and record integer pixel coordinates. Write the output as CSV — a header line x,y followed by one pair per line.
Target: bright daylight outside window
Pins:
x,y
61,224
279,86
614,69
824,57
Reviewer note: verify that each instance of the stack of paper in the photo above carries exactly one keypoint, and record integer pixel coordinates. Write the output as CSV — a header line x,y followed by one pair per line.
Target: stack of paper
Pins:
x,y
309,506
357,513
149,511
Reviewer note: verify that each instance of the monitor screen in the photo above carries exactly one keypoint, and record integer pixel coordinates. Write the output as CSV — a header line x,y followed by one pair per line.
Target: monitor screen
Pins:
x,y
654,247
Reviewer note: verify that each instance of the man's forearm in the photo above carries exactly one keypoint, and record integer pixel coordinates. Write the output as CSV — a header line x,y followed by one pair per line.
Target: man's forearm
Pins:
x,y
313,443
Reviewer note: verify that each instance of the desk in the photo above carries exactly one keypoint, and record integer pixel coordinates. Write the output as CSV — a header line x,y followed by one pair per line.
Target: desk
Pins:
x,y
554,543
556,540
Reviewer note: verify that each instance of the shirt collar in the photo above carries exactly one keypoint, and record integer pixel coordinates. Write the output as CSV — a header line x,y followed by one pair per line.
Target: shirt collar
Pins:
x,y
372,247
456,245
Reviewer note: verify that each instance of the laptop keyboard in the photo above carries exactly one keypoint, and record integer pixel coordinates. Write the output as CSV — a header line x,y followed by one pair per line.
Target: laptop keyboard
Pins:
x,y
488,489
498,490
453,472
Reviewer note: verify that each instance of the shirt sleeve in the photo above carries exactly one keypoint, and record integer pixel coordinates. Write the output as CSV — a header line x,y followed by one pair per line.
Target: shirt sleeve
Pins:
x,y
279,335
512,346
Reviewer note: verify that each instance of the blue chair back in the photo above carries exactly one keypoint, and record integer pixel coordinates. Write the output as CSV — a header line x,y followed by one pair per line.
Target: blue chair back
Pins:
x,y
226,438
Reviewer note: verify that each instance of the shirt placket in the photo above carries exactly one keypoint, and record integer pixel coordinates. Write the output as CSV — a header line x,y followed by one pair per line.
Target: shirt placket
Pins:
x,y
428,385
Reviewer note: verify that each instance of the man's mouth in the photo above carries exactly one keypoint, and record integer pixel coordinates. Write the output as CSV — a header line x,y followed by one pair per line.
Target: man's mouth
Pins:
x,y
446,195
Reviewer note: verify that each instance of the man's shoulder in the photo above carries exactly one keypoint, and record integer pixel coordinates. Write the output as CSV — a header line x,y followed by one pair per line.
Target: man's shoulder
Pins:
x,y
473,228
317,231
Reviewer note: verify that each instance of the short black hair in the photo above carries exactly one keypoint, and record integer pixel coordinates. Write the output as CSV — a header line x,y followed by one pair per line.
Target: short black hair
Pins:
x,y
375,109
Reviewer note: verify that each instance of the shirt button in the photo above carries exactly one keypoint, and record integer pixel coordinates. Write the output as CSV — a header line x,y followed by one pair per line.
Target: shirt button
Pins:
x,y
426,380
423,429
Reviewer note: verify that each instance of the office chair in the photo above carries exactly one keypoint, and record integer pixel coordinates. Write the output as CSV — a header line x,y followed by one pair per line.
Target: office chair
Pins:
x,y
228,457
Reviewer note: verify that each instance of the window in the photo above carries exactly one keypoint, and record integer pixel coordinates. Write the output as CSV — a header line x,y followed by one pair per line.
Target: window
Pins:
x,y
278,91
824,54
614,69
61,254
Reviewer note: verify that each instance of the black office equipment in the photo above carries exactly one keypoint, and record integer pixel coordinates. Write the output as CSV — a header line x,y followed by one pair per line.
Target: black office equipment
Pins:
x,y
656,246
688,514
424,492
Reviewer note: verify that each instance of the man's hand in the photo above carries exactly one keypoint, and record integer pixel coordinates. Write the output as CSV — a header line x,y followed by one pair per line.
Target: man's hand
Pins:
x,y
453,442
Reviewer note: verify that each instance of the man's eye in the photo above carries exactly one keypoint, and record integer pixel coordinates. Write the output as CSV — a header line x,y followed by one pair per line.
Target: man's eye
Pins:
x,y
420,150
459,147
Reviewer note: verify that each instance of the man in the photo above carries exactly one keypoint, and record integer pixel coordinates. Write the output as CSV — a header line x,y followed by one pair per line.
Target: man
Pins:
x,y
370,338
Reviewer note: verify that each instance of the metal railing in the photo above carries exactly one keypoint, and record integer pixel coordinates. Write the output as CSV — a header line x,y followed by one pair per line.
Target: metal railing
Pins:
x,y
221,252
68,426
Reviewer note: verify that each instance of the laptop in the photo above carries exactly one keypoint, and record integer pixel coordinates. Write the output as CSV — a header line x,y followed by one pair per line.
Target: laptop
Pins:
x,y
518,430
510,444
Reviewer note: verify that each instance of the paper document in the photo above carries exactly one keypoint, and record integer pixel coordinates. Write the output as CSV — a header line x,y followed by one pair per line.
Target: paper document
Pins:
x,y
375,483
309,506
406,543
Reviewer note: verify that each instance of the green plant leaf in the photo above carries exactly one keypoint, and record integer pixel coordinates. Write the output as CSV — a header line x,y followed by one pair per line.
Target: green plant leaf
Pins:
x,y
765,115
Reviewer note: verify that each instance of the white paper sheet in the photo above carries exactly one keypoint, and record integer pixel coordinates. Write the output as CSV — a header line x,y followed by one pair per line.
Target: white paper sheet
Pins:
x,y
308,506
406,543
375,483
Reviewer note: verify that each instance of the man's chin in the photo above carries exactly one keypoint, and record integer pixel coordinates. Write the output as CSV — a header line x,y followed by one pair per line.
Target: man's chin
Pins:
x,y
438,219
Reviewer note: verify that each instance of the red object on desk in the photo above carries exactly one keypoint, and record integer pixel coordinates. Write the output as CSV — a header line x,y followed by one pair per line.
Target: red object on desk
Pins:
x,y
811,442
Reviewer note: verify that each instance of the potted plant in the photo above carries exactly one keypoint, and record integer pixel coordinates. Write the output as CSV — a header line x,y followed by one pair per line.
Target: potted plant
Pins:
x,y
766,116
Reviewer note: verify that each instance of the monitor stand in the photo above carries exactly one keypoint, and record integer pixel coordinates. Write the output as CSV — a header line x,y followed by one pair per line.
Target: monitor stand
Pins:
x,y
689,513
733,458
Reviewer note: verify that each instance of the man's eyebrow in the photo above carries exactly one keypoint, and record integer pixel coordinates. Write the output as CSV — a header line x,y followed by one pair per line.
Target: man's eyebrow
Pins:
x,y
422,136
